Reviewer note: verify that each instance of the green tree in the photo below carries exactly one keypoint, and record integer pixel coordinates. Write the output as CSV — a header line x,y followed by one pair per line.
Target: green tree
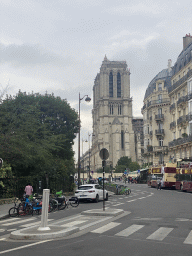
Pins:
x,y
126,163
37,134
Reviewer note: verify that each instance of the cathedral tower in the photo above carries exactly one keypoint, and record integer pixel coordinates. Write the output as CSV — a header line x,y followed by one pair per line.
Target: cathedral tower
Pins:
x,y
112,114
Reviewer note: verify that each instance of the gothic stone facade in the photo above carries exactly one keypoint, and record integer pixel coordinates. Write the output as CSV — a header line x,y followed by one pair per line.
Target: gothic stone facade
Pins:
x,y
112,114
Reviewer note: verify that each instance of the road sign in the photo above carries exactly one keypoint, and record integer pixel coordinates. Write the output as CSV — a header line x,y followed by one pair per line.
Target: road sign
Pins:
x,y
104,154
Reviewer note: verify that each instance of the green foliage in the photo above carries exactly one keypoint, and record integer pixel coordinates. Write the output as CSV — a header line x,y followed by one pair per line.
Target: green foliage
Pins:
x,y
126,163
37,133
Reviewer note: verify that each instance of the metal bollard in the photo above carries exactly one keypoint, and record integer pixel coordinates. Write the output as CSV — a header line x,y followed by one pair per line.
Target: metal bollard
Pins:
x,y
45,205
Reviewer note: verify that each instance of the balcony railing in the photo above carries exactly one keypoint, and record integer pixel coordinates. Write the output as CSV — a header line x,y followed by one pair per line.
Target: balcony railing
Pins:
x,y
172,107
159,117
181,100
180,141
172,124
181,119
160,148
181,81
159,132
155,102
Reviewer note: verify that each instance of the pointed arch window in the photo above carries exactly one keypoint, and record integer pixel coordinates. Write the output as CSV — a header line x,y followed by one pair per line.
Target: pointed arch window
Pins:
x,y
110,84
118,85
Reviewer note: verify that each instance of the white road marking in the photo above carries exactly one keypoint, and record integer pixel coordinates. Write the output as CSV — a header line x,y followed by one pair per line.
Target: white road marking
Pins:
x,y
2,230
118,204
182,219
105,227
1,239
33,224
12,229
24,246
131,200
141,197
73,223
8,220
130,230
160,234
188,240
18,222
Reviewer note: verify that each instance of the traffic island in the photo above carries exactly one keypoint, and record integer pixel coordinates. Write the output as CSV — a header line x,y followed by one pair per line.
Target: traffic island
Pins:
x,y
100,212
33,233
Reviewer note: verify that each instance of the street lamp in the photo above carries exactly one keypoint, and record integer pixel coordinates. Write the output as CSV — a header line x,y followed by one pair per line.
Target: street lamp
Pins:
x,y
87,99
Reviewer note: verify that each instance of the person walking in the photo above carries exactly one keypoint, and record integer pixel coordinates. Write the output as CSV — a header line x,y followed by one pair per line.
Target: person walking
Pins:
x,y
28,190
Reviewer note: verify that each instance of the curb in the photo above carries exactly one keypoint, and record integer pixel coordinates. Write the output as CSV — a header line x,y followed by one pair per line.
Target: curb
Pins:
x,y
33,233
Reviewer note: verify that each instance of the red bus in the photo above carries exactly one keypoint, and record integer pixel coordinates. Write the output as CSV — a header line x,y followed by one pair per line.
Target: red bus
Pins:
x,y
184,175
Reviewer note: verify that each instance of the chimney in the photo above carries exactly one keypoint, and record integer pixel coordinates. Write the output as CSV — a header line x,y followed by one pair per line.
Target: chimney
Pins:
x,y
186,41
169,65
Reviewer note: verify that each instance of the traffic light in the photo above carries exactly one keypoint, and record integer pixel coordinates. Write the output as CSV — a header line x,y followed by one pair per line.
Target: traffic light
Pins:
x,y
1,162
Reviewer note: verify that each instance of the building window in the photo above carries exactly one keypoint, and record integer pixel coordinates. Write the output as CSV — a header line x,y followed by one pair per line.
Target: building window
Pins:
x,y
173,135
122,139
111,109
161,142
189,85
110,84
118,85
161,159
159,111
160,87
190,128
160,98
119,109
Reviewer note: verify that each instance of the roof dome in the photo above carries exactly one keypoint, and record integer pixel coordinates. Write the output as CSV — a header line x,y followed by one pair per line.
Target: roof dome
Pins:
x,y
165,75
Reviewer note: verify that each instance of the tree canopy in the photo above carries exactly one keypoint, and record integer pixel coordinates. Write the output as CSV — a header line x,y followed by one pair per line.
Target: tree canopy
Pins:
x,y
126,163
37,133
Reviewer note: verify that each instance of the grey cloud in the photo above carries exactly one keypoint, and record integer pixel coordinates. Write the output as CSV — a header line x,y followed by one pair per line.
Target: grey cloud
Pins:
x,y
30,55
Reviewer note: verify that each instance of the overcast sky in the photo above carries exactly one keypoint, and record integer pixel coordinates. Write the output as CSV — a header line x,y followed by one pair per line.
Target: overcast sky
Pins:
x,y
58,45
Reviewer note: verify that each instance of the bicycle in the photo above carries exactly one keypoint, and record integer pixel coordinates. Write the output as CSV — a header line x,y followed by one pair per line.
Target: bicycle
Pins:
x,y
58,203
125,191
73,201
13,211
23,208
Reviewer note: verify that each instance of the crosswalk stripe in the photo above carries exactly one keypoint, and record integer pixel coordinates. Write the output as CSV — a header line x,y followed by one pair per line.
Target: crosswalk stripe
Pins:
x,y
130,230
160,234
8,220
105,227
73,223
118,204
188,240
33,224
18,222
2,230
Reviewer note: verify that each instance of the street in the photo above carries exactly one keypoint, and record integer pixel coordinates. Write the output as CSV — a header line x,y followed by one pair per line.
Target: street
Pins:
x,y
154,223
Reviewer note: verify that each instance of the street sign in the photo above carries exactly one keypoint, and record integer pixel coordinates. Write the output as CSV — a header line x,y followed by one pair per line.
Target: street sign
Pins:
x,y
104,154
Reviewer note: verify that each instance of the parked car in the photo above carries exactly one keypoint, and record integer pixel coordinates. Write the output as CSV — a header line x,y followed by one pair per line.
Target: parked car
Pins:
x,y
92,192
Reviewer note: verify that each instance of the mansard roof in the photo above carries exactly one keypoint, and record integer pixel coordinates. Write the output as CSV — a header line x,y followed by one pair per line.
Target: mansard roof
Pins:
x,y
164,75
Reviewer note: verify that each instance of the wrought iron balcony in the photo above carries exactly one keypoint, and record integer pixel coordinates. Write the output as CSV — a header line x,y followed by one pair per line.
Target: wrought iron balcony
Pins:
x,y
181,119
172,124
159,117
161,149
159,132
180,81
180,141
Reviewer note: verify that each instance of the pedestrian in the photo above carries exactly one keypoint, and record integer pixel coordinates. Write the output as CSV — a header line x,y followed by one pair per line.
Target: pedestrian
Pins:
x,y
28,190
159,184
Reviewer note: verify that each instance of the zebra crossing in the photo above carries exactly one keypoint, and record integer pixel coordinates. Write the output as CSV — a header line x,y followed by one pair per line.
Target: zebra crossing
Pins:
x,y
158,235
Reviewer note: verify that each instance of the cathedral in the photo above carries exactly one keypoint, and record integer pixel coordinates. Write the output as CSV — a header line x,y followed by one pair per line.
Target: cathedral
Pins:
x,y
112,114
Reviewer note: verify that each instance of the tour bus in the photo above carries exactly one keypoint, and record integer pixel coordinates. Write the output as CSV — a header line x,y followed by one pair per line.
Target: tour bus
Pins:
x,y
166,174
153,175
184,175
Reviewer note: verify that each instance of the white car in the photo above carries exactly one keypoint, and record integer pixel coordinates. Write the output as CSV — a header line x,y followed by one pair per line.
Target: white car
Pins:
x,y
93,192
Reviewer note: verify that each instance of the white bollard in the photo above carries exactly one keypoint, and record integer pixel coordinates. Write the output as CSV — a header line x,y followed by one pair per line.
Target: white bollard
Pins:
x,y
44,215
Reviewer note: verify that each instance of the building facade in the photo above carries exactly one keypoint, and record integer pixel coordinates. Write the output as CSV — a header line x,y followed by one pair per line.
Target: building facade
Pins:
x,y
180,94
112,114
137,123
156,117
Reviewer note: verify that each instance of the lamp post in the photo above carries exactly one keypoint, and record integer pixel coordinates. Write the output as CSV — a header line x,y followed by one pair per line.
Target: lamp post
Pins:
x,y
87,99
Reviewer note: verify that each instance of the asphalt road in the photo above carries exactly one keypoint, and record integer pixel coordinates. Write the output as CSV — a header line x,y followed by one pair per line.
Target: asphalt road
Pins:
x,y
155,223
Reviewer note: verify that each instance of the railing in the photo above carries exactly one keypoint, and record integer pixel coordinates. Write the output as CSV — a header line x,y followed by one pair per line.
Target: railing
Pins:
x,y
182,99
172,107
180,141
160,148
172,124
181,119
159,132
180,81
159,117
